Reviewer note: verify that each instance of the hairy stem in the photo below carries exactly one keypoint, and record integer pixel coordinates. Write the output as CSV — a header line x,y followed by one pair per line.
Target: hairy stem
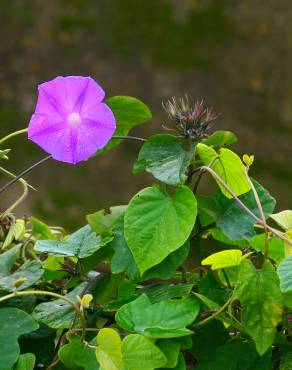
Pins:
x,y
243,206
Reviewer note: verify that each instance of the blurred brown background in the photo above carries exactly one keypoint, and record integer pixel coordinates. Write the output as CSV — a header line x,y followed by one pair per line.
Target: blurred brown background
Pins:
x,y
236,55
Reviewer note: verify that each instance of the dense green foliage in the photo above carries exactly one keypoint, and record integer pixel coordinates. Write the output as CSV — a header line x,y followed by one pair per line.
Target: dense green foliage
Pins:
x,y
176,279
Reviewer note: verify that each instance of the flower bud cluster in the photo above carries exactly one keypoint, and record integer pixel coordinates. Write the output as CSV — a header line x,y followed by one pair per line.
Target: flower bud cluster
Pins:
x,y
191,120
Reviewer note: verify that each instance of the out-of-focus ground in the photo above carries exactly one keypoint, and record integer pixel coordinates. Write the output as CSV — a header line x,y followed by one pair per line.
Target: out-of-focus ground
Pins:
x,y
236,55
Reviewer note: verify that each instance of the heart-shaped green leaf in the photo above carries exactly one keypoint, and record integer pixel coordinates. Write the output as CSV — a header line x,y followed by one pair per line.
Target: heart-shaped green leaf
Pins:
x,y
109,350
141,353
164,157
261,300
135,351
157,224
13,324
228,166
165,319
123,260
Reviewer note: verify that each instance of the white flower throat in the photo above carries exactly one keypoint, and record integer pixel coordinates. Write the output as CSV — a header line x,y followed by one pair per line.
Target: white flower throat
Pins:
x,y
74,119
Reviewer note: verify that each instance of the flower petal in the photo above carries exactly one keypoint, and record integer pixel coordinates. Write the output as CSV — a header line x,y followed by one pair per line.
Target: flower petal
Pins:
x,y
41,124
101,114
48,106
93,95
45,131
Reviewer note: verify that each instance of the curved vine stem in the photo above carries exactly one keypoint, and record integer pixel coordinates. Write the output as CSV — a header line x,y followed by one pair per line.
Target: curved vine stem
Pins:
x,y
263,217
10,174
52,294
212,317
243,206
19,132
18,201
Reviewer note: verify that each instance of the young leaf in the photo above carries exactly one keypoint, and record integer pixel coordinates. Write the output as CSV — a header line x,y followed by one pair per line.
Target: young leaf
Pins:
x,y
165,319
141,353
13,324
234,221
16,232
164,157
283,219
230,257
109,350
83,243
156,224
228,167
262,303
220,138
3,153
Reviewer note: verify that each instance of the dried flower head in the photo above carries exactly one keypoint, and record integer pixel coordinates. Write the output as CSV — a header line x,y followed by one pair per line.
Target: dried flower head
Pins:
x,y
191,120
70,121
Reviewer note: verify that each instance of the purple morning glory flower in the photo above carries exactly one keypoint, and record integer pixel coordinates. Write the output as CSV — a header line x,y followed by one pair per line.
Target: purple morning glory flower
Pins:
x,y
70,121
